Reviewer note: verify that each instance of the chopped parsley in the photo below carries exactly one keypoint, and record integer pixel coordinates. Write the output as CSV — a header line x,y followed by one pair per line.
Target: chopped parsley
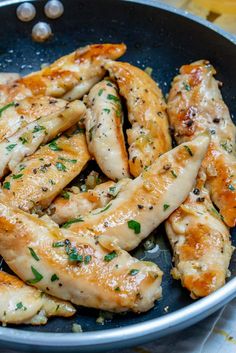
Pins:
x,y
54,278
109,257
173,173
38,128
6,185
104,209
10,147
58,244
72,221
111,97
37,276
133,272
33,254
187,86
118,113
54,146
107,110
117,289
100,92
73,161
231,187
6,107
17,176
73,255
136,226
23,140
87,259
165,206
65,195
61,167
20,306
227,146
112,191
21,167
188,150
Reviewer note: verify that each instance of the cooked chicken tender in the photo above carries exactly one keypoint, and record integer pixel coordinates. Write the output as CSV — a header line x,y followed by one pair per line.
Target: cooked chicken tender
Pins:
x,y
70,77
104,118
149,136
28,139
195,104
15,116
43,175
149,199
76,268
200,242
22,304
71,205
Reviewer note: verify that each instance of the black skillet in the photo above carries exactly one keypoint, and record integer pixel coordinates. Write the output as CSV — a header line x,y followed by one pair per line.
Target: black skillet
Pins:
x,y
158,37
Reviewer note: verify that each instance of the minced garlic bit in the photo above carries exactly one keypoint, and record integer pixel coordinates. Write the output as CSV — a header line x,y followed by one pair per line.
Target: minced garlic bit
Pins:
x,y
76,328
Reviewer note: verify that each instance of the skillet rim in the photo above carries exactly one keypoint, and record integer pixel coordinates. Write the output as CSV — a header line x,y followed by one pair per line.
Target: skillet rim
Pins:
x,y
150,329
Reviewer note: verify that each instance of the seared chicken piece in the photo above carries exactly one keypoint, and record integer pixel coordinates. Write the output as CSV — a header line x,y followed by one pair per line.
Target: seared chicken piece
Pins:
x,y
104,132
14,116
70,77
28,139
70,205
195,104
149,136
200,242
22,304
148,200
76,268
42,176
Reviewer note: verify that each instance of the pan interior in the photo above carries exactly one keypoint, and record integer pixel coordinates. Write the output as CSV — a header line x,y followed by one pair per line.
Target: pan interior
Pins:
x,y
155,38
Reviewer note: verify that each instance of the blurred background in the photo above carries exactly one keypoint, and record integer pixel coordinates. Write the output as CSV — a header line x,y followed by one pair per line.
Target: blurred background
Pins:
x,y
220,12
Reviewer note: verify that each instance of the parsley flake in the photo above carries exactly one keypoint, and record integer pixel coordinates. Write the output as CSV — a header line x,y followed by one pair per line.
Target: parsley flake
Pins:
x,y
61,167
133,272
33,254
17,176
72,221
136,226
54,278
6,107
111,97
54,146
109,257
165,207
188,150
6,185
10,147
37,276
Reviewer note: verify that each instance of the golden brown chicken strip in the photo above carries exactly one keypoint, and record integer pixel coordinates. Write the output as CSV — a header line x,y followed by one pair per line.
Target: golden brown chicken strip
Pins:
x,y
22,304
43,175
70,205
149,136
74,268
26,141
195,104
15,116
70,77
201,243
147,200
105,138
